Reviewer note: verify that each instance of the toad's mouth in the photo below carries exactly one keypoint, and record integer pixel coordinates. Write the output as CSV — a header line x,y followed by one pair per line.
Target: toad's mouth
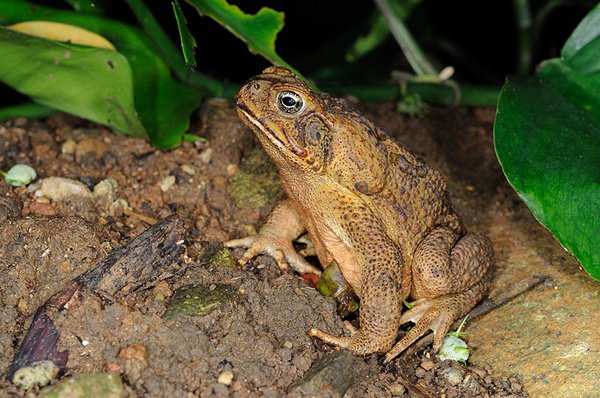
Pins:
x,y
285,143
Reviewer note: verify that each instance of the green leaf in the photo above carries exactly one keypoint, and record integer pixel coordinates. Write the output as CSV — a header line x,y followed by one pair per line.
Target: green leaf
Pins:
x,y
89,82
379,31
258,31
365,44
29,109
172,55
188,43
547,138
163,104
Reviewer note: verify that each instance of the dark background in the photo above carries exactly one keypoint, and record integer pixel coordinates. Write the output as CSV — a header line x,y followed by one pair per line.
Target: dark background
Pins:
x,y
482,36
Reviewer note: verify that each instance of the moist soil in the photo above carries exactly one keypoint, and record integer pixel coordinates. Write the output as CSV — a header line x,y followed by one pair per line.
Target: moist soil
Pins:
x,y
254,344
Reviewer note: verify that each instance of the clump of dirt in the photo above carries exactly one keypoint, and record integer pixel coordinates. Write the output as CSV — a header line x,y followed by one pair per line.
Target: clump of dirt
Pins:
x,y
253,344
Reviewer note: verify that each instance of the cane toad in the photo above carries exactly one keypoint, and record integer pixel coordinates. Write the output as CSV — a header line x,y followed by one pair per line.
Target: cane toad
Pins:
x,y
367,203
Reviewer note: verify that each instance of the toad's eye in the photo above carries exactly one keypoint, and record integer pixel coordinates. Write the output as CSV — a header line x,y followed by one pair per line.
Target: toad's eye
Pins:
x,y
289,102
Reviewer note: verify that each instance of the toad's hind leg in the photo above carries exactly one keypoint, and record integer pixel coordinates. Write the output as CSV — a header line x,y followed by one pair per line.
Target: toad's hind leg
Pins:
x,y
380,309
376,270
450,275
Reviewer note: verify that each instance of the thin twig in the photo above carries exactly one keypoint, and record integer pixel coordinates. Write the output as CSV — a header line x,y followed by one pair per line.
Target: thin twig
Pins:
x,y
483,308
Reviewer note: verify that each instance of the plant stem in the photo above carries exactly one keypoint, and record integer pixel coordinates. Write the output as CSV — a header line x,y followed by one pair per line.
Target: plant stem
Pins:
x,y
524,26
429,92
413,53
170,52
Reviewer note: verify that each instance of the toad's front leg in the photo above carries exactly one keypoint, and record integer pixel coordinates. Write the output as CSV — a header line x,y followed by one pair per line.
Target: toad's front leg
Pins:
x,y
381,289
275,239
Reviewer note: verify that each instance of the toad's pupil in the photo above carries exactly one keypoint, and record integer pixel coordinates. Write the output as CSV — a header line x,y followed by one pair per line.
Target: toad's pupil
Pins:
x,y
288,101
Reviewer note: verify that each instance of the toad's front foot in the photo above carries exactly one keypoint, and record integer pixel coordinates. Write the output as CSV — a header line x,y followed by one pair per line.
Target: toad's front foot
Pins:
x,y
282,252
359,343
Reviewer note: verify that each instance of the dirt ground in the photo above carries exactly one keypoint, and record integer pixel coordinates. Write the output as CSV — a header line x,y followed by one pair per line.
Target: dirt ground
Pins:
x,y
255,343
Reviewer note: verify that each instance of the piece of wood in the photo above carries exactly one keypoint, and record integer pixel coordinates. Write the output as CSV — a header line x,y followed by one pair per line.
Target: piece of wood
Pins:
x,y
122,271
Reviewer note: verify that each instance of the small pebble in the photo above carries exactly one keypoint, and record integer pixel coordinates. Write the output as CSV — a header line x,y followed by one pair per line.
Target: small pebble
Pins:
x,y
59,188
453,375
427,364
479,372
471,385
285,354
232,169
167,182
206,156
515,386
420,373
188,169
219,181
396,389
226,378
68,147
92,146
106,187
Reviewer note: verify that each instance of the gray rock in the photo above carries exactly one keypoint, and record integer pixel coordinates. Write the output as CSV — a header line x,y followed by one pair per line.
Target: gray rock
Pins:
x,y
331,375
37,374
453,375
199,300
98,385
471,385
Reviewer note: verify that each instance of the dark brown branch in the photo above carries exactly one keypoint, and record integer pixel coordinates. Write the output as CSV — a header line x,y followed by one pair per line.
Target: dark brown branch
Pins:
x,y
122,271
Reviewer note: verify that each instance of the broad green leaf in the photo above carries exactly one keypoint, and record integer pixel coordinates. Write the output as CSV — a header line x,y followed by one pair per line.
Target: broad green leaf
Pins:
x,y
163,104
188,43
90,82
547,138
258,31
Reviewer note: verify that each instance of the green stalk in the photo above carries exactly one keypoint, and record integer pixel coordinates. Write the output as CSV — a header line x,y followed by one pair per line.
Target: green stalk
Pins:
x,y
413,53
524,26
430,92
171,53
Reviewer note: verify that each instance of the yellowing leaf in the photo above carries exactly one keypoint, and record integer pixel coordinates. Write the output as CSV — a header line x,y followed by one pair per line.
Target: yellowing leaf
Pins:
x,y
63,32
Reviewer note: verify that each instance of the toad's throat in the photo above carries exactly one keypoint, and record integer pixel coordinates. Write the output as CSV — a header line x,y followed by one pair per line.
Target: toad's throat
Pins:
x,y
289,143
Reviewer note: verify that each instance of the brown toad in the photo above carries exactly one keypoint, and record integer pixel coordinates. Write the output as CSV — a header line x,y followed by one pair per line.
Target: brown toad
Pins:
x,y
368,203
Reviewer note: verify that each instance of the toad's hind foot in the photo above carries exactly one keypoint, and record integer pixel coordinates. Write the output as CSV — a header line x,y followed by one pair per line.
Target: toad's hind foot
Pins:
x,y
436,314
